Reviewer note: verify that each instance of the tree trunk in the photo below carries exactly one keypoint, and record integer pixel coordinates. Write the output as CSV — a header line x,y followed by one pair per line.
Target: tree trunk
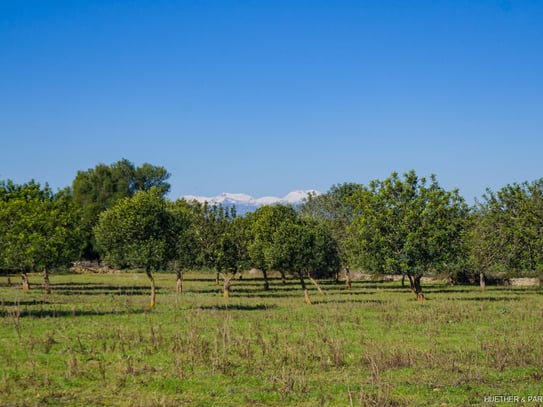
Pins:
x,y
336,277
226,286
283,278
347,278
410,277
179,281
9,280
153,288
403,280
306,293
46,282
482,282
217,278
418,288
26,284
266,283
319,289
452,280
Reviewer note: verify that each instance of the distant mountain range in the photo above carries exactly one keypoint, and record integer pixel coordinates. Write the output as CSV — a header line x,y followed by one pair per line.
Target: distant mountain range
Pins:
x,y
246,203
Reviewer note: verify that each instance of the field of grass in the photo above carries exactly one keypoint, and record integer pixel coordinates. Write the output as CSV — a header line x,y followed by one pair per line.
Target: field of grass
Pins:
x,y
94,341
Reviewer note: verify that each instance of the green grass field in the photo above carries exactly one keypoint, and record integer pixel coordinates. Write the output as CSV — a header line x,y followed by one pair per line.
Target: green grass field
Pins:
x,y
94,341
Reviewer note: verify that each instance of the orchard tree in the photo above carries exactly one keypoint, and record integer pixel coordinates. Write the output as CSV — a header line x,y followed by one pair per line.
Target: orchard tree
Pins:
x,y
233,255
138,232
39,230
264,223
507,232
335,211
209,225
186,244
301,248
409,226
99,188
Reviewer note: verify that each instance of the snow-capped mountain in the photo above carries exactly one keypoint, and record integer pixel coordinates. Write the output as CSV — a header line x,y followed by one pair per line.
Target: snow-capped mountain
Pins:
x,y
246,203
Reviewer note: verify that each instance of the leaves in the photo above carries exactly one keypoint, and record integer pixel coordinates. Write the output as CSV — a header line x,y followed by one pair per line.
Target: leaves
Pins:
x,y
137,231
407,225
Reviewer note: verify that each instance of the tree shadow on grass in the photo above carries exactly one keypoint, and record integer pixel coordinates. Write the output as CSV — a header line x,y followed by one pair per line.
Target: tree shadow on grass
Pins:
x,y
238,307
488,299
445,291
102,290
64,313
346,301
24,303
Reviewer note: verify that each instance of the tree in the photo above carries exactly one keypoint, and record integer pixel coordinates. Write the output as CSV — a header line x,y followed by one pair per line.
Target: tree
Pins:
x,y
302,247
408,226
99,188
138,232
334,210
38,229
186,245
507,232
264,223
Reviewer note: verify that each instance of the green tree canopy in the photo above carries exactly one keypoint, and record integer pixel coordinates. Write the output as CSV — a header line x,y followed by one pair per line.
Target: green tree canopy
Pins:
x,y
138,232
409,226
99,188
264,222
39,230
507,234
335,211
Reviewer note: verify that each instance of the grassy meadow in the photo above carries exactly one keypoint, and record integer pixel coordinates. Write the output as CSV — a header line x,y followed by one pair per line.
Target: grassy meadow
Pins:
x,y
94,341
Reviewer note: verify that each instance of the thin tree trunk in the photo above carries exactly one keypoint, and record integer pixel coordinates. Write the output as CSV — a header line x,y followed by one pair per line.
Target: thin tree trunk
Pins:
x,y
46,282
226,286
153,288
283,278
403,280
316,285
347,278
410,277
26,284
306,293
217,278
452,280
482,282
179,281
266,282
9,280
418,288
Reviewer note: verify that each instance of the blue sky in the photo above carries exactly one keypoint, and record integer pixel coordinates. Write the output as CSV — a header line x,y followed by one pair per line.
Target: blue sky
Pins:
x,y
264,97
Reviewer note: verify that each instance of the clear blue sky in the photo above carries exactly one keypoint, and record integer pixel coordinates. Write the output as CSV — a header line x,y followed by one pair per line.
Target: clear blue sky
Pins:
x,y
264,97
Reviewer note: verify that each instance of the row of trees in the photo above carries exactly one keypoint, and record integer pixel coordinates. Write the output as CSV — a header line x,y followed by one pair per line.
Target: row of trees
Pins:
x,y
401,225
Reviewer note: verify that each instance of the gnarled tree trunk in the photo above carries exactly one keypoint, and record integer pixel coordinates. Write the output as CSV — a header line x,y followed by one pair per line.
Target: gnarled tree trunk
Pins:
x,y
319,289
410,277
226,287
283,278
26,284
306,293
452,280
482,281
266,282
347,278
46,282
179,281
418,288
153,288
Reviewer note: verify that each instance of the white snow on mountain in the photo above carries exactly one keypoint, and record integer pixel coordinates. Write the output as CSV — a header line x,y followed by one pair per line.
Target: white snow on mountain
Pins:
x,y
246,202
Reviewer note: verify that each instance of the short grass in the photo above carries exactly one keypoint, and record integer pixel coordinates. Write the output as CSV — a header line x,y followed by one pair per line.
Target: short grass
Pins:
x,y
94,342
